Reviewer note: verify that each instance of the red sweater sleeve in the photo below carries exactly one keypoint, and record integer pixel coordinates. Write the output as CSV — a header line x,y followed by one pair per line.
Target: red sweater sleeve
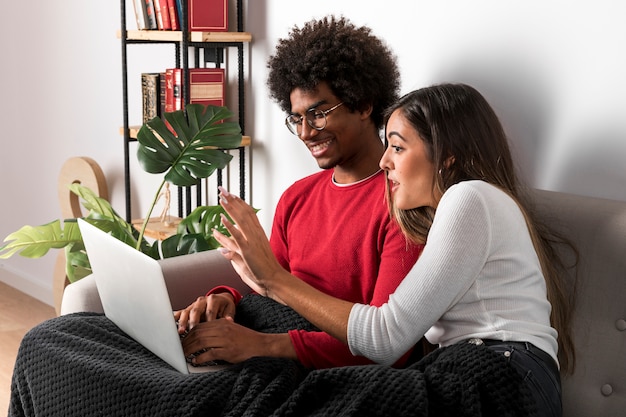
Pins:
x,y
224,288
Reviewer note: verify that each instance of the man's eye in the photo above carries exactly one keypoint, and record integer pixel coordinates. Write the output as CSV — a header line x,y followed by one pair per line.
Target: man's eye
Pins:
x,y
296,120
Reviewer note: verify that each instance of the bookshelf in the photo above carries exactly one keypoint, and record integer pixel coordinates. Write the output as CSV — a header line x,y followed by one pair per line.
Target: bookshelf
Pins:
x,y
202,47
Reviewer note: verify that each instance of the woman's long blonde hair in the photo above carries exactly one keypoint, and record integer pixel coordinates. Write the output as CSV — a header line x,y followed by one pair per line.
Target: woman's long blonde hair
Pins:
x,y
455,120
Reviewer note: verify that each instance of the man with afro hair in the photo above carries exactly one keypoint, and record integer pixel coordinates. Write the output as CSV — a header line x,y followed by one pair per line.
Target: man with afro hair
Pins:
x,y
331,229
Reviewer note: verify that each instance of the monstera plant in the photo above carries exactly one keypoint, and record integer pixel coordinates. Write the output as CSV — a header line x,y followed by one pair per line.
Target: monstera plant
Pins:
x,y
189,149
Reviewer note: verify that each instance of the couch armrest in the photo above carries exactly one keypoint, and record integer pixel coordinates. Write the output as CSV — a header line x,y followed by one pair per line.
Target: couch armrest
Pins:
x,y
186,277
81,296
189,276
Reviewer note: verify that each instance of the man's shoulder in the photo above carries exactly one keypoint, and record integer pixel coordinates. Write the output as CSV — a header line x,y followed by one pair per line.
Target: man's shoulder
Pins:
x,y
318,178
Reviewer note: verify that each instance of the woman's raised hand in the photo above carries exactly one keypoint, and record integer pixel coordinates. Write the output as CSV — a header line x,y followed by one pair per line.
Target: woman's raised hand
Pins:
x,y
248,248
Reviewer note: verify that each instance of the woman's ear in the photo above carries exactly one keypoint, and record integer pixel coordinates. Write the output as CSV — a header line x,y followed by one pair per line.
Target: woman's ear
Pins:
x,y
449,161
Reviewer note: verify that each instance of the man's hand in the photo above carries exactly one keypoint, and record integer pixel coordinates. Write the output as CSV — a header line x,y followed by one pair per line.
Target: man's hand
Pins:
x,y
226,340
205,308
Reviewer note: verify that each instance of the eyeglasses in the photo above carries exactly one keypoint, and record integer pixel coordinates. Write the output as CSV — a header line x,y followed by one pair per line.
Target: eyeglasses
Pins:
x,y
314,118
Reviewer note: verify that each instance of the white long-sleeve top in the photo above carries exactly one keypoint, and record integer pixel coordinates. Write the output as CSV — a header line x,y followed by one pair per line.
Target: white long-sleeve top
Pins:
x,y
478,277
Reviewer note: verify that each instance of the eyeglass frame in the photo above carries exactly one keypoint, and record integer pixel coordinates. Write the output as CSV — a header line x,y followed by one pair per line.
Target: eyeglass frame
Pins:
x,y
293,127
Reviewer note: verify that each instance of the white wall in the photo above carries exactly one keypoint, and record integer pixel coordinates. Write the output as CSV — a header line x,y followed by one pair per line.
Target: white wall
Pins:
x,y
554,71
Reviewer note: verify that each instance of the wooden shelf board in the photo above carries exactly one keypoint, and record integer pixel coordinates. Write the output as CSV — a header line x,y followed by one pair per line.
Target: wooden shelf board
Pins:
x,y
245,140
176,36
156,229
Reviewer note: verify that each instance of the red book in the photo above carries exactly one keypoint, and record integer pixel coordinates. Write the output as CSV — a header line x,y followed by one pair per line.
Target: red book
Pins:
x,y
169,90
171,5
207,15
162,14
207,86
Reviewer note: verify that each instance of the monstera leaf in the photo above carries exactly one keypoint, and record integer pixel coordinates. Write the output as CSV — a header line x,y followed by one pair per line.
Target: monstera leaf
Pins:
x,y
195,151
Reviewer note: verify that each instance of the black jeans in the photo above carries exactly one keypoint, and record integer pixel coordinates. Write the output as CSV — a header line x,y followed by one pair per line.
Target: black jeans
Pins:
x,y
537,368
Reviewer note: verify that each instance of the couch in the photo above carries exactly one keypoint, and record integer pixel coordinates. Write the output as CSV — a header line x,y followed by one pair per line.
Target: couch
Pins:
x,y
597,228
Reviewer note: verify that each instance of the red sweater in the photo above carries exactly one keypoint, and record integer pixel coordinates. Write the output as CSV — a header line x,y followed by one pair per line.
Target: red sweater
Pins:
x,y
341,240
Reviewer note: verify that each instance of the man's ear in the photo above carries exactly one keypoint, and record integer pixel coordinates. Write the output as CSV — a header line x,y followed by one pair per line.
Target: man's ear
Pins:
x,y
366,112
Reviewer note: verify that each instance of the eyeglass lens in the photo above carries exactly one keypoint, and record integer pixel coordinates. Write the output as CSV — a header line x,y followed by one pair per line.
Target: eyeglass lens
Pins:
x,y
315,118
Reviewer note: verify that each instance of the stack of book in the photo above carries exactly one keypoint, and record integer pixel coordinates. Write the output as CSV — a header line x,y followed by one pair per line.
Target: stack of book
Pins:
x,y
202,15
162,92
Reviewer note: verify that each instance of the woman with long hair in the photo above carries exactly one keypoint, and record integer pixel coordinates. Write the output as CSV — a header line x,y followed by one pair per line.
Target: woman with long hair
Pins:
x,y
487,275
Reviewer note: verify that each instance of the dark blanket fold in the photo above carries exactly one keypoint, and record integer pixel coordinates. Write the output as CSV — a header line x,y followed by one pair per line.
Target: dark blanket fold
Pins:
x,y
83,365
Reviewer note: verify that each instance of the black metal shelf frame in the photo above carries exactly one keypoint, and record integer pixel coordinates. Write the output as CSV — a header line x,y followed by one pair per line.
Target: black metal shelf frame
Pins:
x,y
182,61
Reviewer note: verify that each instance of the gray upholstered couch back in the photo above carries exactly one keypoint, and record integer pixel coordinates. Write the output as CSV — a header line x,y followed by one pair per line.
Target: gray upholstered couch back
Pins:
x,y
597,227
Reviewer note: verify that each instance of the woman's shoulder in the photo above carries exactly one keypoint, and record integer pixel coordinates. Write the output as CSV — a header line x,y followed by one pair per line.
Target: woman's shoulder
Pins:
x,y
477,188
477,193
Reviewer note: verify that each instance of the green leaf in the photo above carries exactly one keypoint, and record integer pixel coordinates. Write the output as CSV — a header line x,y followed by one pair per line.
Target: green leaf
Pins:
x,y
178,245
77,264
202,221
103,216
195,151
36,241
101,209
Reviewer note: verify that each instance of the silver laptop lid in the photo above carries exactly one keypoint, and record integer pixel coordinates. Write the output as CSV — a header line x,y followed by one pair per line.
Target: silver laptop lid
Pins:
x,y
134,295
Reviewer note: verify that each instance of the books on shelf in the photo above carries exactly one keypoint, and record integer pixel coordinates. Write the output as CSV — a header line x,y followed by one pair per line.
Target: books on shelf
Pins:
x,y
162,92
202,15
206,86
150,86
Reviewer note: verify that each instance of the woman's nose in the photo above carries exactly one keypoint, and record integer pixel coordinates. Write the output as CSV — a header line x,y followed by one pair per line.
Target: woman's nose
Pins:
x,y
385,161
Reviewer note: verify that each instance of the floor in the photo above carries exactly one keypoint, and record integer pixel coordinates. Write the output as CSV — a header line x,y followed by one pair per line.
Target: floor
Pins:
x,y
18,313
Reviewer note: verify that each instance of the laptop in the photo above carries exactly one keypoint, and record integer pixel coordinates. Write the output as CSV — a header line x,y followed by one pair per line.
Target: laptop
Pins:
x,y
134,294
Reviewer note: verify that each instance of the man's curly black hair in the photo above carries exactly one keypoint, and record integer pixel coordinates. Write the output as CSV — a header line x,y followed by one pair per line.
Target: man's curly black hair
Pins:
x,y
358,67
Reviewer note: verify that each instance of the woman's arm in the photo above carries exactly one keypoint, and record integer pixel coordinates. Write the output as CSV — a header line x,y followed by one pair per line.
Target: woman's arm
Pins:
x,y
252,256
456,252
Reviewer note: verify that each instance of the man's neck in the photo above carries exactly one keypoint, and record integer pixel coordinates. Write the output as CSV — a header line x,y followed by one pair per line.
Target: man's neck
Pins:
x,y
366,165
348,177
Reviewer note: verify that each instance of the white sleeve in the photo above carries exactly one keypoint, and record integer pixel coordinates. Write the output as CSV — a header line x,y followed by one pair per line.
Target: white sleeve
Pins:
x,y
455,253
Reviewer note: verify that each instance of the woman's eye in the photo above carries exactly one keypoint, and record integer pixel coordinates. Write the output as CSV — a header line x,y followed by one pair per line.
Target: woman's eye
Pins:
x,y
396,148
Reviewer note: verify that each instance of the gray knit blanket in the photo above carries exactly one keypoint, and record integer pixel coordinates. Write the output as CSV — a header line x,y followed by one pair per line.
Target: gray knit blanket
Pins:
x,y
83,365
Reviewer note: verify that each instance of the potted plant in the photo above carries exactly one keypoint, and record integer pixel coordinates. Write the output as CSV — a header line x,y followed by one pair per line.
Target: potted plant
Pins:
x,y
191,148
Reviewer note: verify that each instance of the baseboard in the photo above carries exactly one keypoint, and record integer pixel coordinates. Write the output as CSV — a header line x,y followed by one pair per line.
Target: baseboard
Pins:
x,y
26,285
